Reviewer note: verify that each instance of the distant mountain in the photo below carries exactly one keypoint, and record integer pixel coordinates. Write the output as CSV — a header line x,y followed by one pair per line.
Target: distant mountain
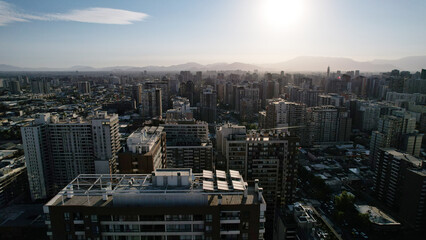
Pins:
x,y
8,68
415,63
232,66
82,68
307,63
298,64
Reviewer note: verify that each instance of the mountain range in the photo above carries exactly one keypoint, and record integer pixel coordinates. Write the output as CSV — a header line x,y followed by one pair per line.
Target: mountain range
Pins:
x,y
298,64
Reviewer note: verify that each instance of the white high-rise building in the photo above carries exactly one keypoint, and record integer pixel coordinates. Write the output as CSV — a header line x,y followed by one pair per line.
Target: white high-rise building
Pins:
x,y
56,151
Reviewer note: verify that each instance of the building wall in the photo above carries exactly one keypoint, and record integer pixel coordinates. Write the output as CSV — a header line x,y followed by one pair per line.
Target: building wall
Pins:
x,y
153,221
413,205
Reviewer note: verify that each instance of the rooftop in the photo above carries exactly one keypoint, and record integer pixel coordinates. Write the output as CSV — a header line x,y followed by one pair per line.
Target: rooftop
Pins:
x,y
376,215
404,156
144,138
175,186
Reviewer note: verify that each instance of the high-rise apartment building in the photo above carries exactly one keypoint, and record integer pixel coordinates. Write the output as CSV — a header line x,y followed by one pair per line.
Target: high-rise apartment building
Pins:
x,y
57,150
271,157
167,204
391,130
281,113
208,105
328,124
40,86
188,145
15,87
413,203
249,103
162,84
181,109
231,145
145,152
84,87
276,113
412,143
400,182
137,94
152,103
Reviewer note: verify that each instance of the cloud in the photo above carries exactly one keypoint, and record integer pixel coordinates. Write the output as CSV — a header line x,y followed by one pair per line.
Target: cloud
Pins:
x,y
9,14
100,15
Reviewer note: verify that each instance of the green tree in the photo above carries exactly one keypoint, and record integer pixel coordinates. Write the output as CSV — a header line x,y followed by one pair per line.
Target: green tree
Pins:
x,y
344,202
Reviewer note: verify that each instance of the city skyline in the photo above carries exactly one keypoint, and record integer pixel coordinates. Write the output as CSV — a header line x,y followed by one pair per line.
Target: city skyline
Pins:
x,y
141,33
202,120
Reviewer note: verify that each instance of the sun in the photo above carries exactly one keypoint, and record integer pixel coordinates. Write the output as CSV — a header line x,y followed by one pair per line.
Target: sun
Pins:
x,y
282,13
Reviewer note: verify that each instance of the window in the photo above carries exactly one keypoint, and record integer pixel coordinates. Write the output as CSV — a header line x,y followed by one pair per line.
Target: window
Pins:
x,y
245,225
67,216
77,216
245,236
209,218
94,218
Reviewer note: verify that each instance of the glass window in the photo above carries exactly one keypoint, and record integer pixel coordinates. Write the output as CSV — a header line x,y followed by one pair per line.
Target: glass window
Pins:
x,y
66,215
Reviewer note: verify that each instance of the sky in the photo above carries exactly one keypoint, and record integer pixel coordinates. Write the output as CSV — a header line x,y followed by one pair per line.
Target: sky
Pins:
x,y
100,33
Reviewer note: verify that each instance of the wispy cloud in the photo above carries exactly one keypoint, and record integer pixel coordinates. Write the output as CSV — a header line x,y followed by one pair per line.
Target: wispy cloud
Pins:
x,y
10,14
100,15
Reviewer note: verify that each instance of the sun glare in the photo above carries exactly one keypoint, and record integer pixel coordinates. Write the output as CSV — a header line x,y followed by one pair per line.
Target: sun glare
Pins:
x,y
282,13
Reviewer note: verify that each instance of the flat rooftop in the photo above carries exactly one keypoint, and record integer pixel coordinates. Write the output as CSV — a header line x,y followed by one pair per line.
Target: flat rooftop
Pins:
x,y
404,156
175,186
376,215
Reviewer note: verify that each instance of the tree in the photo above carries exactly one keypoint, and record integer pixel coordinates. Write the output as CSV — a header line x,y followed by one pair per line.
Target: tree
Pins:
x,y
344,202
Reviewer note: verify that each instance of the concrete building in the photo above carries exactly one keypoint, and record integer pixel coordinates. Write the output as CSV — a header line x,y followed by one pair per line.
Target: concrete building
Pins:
x,y
400,182
40,86
15,87
380,221
413,202
152,103
392,164
249,103
146,151
167,204
271,157
281,113
181,109
84,87
302,221
276,113
391,130
188,145
13,179
328,124
417,98
137,94
231,146
57,150
412,143
208,105
162,84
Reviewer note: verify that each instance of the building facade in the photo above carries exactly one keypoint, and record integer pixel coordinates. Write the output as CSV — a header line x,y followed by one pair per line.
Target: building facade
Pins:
x,y
188,145
57,150
146,151
167,204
